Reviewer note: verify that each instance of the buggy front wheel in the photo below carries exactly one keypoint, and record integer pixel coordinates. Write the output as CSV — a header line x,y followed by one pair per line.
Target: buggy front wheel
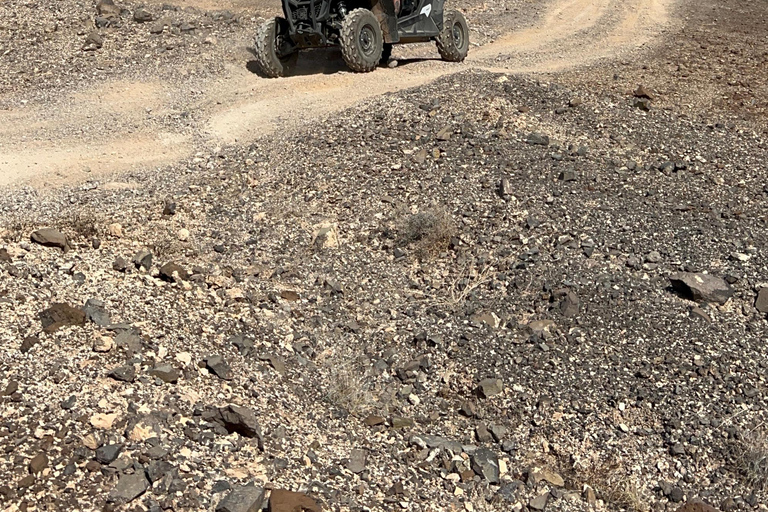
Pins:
x,y
275,53
362,42
453,41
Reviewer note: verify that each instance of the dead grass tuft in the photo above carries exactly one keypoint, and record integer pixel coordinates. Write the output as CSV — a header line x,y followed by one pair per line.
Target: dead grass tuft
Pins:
x,y
351,386
84,224
752,459
16,230
430,232
612,483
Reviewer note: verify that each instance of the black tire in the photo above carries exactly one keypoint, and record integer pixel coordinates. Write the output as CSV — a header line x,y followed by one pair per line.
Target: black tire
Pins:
x,y
386,53
271,41
362,42
453,41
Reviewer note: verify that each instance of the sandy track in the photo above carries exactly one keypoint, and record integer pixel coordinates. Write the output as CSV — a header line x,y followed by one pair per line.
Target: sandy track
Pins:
x,y
38,146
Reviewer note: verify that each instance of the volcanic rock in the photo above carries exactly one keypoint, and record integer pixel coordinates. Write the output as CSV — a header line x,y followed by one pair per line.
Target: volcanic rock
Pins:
x,y
50,237
701,287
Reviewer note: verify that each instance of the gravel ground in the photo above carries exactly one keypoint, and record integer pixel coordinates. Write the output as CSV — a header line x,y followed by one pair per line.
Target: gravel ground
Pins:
x,y
716,62
463,297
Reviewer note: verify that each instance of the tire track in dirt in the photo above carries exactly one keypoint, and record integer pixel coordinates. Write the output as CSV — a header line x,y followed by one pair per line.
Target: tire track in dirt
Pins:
x,y
244,106
573,33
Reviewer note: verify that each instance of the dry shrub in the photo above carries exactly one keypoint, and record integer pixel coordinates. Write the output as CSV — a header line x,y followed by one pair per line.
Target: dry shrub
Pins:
x,y
612,483
752,459
430,232
84,224
16,230
165,247
350,385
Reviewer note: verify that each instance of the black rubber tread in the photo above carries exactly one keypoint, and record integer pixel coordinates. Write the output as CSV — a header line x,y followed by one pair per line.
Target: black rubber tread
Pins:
x,y
266,55
386,53
350,30
445,43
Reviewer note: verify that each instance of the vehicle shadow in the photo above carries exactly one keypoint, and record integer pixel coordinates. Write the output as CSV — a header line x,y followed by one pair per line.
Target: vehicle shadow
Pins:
x,y
323,61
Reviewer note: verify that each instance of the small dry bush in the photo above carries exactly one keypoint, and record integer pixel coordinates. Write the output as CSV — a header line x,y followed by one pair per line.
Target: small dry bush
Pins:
x,y
612,483
430,232
16,230
351,386
84,224
752,460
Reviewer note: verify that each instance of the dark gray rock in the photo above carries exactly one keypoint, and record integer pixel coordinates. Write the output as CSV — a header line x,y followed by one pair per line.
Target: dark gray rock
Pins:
x,y
570,304
238,419
143,259
676,495
220,486
60,315
166,373
701,287
761,303
38,463
482,434
677,449
95,312
357,460
142,16
485,463
219,367
173,272
158,469
490,387
509,494
537,139
93,42
69,403
108,453
126,373
28,342
128,488
50,237
120,264
242,498
539,502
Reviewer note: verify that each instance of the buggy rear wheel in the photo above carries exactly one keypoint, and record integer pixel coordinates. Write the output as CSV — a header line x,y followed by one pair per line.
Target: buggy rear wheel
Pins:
x,y
453,41
362,42
275,53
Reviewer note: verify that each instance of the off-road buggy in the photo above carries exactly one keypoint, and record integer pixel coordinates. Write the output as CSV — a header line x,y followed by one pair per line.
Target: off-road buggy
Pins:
x,y
365,30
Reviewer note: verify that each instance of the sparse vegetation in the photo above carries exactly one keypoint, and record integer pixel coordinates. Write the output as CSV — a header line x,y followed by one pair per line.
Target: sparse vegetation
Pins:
x,y
752,459
350,386
17,230
612,483
84,224
429,232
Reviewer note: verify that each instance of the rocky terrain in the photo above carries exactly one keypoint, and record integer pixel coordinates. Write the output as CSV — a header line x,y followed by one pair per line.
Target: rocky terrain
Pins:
x,y
494,292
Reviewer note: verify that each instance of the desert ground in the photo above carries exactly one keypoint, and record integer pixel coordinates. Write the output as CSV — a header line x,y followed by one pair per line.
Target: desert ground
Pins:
x,y
535,280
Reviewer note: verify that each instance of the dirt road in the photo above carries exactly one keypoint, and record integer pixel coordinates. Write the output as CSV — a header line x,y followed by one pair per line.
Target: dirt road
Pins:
x,y
40,145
